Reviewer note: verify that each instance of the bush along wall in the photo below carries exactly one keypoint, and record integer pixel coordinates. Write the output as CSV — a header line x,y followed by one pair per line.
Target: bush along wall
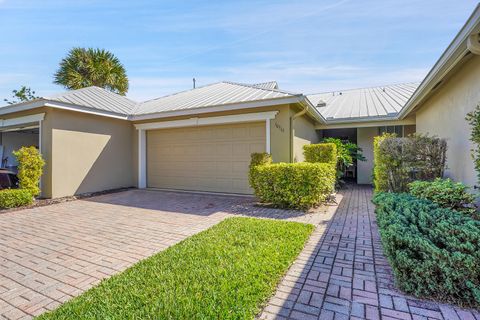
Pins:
x,y
30,169
13,198
434,251
446,193
400,161
295,185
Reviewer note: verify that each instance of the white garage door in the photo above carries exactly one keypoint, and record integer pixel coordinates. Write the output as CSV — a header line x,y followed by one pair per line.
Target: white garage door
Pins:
x,y
210,158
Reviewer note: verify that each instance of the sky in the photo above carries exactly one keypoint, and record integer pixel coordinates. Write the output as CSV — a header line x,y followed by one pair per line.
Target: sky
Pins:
x,y
307,46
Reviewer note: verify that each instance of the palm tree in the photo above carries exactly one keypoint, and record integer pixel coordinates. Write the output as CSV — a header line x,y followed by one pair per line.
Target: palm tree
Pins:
x,y
92,67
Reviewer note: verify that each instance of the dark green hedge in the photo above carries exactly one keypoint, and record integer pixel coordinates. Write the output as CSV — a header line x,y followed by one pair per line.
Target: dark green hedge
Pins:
x,y
446,193
434,252
12,198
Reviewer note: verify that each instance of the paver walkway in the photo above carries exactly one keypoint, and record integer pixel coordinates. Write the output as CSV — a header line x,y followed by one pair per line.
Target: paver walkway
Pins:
x,y
50,254
343,274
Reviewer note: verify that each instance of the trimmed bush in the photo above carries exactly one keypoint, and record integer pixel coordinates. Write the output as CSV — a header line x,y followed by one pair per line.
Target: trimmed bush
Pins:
x,y
12,198
293,185
320,152
259,159
446,193
30,169
380,167
434,252
399,161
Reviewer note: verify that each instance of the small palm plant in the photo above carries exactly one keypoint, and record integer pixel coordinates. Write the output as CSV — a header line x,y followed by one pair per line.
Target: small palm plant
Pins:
x,y
92,67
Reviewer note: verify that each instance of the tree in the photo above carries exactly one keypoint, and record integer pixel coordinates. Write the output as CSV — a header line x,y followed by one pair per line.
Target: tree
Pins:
x,y
92,67
23,94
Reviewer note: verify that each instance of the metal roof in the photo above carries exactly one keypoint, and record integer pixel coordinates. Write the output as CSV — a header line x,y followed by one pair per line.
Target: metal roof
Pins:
x,y
375,102
267,85
216,94
96,98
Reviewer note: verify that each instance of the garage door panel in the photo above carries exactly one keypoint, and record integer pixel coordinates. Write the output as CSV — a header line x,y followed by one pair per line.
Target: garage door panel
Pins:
x,y
213,158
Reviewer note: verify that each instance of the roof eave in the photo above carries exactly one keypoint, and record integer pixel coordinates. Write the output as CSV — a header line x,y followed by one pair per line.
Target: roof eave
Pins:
x,y
38,103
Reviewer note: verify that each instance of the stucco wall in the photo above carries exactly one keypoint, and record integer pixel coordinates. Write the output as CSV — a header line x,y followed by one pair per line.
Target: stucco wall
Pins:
x,y
88,153
444,113
304,133
365,141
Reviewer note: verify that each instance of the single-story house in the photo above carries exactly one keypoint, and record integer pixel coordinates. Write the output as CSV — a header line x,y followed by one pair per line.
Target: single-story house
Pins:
x,y
201,139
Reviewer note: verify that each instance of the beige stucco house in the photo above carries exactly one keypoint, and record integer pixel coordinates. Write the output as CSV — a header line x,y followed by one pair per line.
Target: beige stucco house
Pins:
x,y
201,139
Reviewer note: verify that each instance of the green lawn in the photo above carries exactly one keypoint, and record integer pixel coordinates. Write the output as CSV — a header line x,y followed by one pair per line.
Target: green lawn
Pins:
x,y
225,272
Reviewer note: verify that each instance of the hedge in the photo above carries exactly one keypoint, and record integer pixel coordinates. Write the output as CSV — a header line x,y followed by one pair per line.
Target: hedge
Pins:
x,y
399,161
434,252
321,152
293,185
446,193
30,168
380,166
12,198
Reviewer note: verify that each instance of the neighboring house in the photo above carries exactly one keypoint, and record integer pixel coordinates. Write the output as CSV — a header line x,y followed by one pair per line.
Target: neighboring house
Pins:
x,y
201,139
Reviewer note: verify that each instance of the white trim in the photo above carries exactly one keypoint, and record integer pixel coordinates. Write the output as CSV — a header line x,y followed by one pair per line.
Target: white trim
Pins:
x,y
142,159
193,122
267,136
59,105
366,124
21,120
229,107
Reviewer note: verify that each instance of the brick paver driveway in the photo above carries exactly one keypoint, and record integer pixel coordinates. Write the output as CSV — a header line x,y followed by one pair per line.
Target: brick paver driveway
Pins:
x,y
50,254
343,274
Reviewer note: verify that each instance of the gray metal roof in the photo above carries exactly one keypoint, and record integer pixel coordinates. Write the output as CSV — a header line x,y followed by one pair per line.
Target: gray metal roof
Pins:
x,y
383,101
267,85
216,94
96,98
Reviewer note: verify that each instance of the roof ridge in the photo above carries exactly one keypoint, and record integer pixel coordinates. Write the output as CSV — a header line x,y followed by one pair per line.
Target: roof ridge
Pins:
x,y
259,88
183,91
363,88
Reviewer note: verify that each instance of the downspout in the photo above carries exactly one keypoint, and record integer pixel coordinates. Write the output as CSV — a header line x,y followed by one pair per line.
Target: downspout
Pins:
x,y
292,130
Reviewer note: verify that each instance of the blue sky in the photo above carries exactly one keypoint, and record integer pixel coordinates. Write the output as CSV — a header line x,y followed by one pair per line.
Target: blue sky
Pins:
x,y
306,45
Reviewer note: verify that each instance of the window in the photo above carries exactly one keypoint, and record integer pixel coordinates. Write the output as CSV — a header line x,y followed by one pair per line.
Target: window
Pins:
x,y
398,130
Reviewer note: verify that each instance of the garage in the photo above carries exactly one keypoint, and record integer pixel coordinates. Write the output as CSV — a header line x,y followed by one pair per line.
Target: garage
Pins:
x,y
211,158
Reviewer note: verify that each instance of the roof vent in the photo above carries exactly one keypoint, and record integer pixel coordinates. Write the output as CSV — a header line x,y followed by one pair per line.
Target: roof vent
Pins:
x,y
321,104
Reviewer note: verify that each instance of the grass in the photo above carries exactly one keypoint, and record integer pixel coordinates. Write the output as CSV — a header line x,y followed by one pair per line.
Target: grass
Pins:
x,y
225,272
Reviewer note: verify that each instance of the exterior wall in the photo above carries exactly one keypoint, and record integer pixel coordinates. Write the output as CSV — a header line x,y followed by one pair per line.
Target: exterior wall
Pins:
x,y
443,115
365,141
303,133
88,153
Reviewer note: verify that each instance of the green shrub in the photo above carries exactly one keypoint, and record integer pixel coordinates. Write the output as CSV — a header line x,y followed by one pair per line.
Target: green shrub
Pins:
x,y
446,193
30,164
320,152
258,159
293,185
434,252
12,198
399,161
473,119
380,167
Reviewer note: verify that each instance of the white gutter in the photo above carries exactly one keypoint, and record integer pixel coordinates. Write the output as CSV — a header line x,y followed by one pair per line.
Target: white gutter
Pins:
x,y
29,105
